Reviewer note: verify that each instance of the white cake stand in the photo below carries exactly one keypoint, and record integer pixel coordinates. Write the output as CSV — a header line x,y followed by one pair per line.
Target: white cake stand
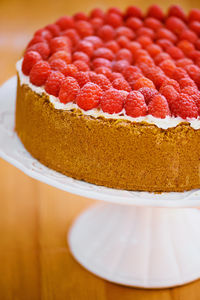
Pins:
x,y
132,238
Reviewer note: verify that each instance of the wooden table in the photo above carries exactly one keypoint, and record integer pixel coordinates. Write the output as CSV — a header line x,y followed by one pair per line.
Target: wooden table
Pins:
x,y
35,262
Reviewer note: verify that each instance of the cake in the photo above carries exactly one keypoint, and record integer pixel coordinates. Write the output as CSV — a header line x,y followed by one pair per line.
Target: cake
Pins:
x,y
112,98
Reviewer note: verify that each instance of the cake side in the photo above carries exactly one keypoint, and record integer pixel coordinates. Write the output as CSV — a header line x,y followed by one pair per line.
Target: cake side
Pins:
x,y
113,153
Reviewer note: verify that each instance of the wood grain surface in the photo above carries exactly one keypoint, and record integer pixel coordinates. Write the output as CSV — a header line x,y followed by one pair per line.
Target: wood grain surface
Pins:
x,y
35,262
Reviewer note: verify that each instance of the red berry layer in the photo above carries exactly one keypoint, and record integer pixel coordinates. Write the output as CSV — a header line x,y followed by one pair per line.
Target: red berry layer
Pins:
x,y
140,63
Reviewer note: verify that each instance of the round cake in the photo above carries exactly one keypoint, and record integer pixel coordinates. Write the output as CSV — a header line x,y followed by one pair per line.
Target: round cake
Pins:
x,y
112,98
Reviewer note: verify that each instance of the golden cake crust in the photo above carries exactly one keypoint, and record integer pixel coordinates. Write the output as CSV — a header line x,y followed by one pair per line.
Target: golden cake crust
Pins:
x,y
114,153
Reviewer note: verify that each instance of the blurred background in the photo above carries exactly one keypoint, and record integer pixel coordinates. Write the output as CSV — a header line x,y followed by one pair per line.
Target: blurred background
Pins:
x,y
35,262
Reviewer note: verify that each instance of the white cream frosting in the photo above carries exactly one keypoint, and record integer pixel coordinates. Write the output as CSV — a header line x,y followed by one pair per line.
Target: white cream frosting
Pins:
x,y
165,123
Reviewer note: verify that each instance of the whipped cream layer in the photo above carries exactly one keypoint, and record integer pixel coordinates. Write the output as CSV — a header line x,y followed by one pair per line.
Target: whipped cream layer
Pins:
x,y
165,123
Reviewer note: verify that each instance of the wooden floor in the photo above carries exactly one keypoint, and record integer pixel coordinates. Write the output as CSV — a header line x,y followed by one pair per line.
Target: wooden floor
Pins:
x,y
35,262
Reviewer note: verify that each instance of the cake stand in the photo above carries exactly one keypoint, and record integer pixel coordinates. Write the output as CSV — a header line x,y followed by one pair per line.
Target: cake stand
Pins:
x,y
132,238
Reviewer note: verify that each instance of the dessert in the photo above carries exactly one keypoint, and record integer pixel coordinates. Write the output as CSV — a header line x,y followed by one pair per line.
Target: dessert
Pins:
x,y
112,98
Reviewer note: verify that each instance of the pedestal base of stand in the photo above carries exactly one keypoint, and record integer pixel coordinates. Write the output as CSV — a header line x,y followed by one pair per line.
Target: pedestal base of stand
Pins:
x,y
138,246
